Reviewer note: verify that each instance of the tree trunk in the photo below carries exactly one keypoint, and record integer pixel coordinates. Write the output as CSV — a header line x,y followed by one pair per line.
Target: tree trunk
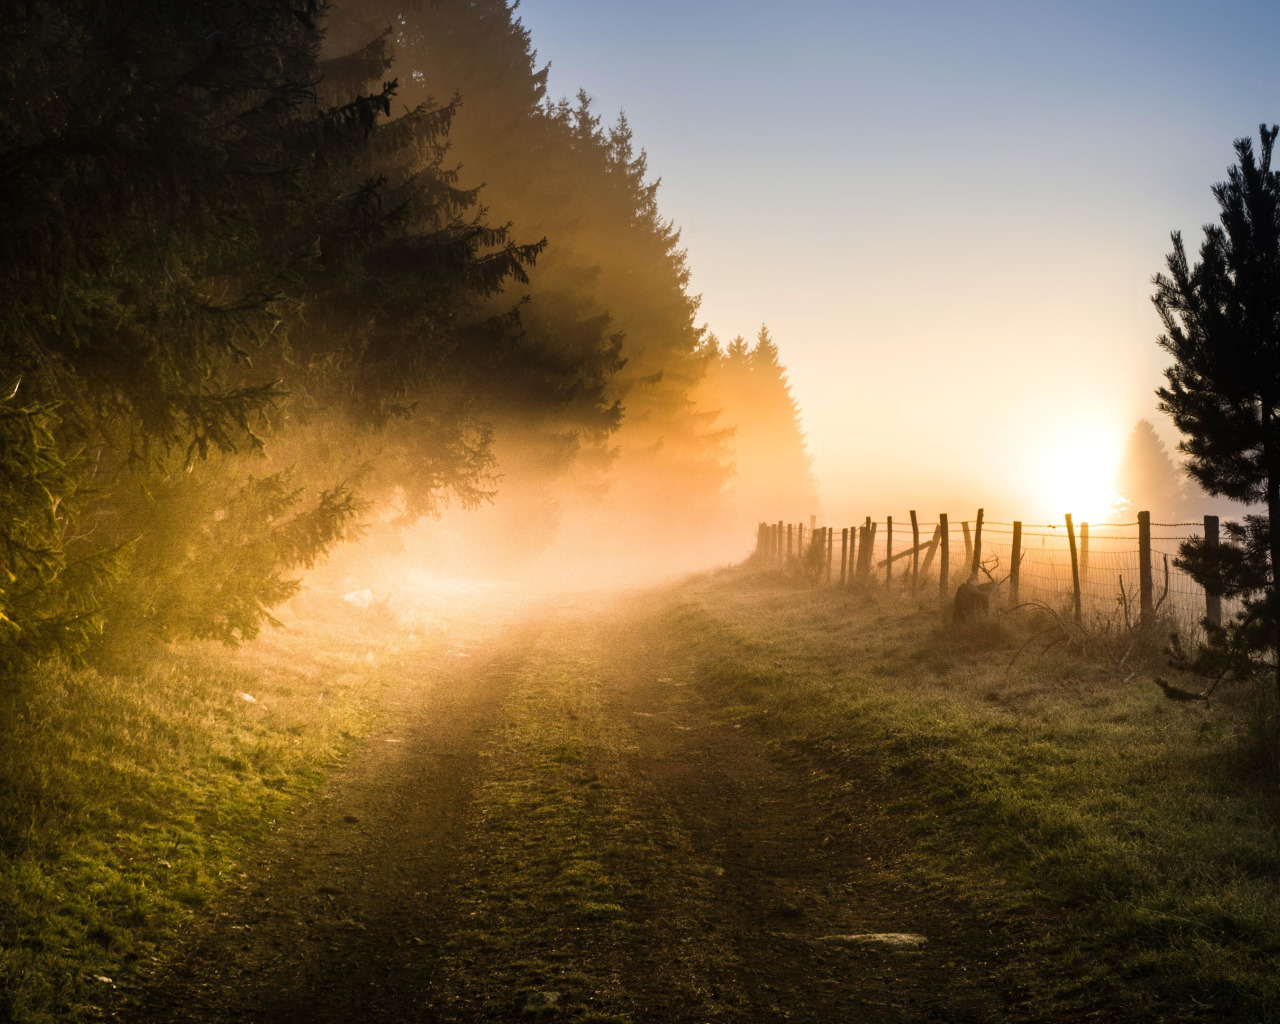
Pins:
x,y
1273,539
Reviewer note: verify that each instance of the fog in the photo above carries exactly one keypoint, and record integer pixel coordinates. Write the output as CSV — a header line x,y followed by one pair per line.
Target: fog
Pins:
x,y
437,302
949,214
953,338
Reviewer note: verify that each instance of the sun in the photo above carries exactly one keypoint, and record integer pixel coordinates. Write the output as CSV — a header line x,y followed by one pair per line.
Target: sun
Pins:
x,y
1076,471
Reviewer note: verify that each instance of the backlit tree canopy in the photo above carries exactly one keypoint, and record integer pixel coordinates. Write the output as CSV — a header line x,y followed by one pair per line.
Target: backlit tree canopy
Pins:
x,y
266,263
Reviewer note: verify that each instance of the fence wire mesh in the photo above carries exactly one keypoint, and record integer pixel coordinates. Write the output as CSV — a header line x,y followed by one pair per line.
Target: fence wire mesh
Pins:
x,y
1108,561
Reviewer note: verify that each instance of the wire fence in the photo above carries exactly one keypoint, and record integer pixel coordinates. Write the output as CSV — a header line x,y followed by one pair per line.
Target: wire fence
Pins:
x,y
1108,563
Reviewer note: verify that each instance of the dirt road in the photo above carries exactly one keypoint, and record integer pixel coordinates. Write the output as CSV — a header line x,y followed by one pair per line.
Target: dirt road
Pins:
x,y
574,824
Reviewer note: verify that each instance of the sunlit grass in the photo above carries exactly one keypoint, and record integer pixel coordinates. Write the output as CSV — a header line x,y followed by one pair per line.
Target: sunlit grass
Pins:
x,y
1054,785
549,824
128,801
1126,829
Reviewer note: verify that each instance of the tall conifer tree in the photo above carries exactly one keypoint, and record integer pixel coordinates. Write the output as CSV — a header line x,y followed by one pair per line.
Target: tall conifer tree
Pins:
x,y
611,287
207,257
1222,328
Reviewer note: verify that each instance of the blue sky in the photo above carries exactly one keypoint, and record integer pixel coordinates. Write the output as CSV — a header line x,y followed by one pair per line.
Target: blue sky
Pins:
x,y
947,213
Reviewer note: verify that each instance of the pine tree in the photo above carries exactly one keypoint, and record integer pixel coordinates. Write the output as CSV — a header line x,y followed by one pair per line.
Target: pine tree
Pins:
x,y
209,262
773,474
152,201
610,290
1222,328
1147,478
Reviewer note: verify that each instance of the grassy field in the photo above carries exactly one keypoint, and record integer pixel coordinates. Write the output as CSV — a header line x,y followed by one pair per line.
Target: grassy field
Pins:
x,y
679,792
1130,825
127,801
1118,844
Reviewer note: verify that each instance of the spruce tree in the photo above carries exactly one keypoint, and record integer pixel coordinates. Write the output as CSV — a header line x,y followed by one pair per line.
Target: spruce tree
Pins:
x,y
154,206
1147,477
228,293
773,474
610,291
1222,327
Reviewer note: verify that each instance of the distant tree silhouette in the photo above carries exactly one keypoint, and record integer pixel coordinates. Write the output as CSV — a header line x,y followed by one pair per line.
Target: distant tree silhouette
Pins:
x,y
1222,328
1147,478
773,474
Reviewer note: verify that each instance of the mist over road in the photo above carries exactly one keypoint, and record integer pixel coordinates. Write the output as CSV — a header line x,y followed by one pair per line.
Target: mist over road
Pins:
x,y
573,820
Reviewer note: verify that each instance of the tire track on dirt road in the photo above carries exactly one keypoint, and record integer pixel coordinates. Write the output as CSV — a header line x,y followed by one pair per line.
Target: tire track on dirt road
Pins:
x,y
348,916
588,823
786,855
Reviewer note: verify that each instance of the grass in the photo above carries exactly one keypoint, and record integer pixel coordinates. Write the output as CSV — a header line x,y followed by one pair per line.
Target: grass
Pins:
x,y
542,881
1128,820
1125,832
128,801
578,898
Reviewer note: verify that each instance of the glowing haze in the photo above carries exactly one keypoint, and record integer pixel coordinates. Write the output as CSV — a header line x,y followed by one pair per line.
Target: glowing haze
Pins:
x,y
948,214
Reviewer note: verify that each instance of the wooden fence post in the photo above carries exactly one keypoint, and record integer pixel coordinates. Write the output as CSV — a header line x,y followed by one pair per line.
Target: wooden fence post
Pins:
x,y
831,539
944,565
976,564
799,540
1212,598
1075,568
871,547
844,553
968,543
790,539
915,554
1084,554
778,549
1015,570
888,543
1144,569
933,550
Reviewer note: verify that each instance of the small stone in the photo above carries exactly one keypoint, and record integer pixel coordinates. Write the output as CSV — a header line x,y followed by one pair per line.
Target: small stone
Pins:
x,y
894,940
541,1000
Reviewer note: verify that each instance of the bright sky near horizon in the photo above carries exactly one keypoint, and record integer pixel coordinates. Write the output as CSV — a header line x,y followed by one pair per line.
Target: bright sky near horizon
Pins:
x,y
948,213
